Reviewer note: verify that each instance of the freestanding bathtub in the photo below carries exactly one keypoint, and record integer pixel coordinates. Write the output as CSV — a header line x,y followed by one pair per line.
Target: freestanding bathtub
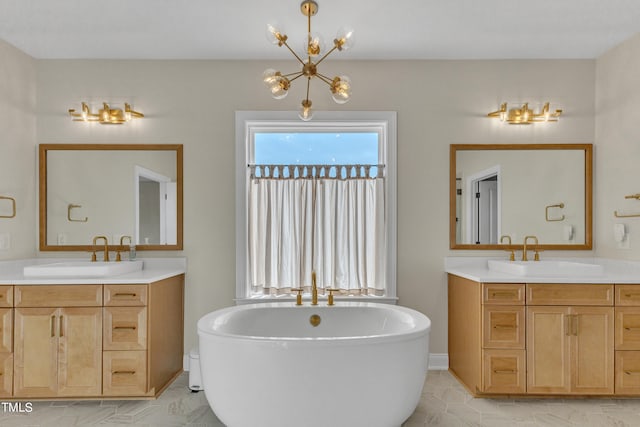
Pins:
x,y
267,365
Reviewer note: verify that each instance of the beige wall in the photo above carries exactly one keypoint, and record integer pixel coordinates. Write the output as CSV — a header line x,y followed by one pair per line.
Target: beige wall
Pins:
x,y
438,103
17,149
617,151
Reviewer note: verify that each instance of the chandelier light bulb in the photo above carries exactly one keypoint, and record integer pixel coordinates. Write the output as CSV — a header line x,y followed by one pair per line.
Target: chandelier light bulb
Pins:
x,y
306,112
341,89
313,45
275,34
344,38
270,76
280,87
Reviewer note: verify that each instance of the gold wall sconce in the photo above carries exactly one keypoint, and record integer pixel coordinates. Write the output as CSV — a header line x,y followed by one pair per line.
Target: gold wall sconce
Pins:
x,y
106,115
524,115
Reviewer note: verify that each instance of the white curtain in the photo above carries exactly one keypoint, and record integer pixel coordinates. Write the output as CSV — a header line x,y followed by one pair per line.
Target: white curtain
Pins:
x,y
333,226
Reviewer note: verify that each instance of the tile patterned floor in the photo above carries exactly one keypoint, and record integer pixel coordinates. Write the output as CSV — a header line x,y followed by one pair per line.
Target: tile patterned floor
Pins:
x,y
444,403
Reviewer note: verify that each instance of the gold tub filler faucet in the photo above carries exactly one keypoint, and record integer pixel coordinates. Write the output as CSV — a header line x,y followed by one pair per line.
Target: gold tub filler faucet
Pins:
x,y
314,292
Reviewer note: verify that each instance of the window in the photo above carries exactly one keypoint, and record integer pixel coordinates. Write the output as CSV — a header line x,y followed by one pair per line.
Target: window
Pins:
x,y
315,196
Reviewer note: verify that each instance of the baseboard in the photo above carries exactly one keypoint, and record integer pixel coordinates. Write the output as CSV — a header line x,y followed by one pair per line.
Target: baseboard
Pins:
x,y
438,361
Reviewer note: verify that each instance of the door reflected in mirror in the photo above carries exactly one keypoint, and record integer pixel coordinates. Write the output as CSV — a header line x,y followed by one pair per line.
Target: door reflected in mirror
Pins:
x,y
500,191
116,190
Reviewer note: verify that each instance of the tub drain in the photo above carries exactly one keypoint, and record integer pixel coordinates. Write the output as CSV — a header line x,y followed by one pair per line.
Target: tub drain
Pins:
x,y
314,320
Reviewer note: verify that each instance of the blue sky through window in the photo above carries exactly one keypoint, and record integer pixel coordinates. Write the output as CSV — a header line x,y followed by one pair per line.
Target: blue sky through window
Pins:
x,y
317,148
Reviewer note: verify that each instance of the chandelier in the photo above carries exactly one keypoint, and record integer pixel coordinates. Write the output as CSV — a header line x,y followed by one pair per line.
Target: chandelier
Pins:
x,y
106,115
279,84
524,115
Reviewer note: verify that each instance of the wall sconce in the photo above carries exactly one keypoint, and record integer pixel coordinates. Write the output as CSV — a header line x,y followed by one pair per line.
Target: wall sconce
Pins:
x,y
524,115
106,115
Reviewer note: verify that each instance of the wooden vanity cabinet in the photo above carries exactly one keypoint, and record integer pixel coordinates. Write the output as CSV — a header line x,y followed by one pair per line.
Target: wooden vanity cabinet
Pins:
x,y
91,341
487,335
6,340
503,338
542,339
58,341
143,337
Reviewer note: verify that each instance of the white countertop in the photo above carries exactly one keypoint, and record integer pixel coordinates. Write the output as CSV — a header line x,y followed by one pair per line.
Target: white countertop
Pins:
x,y
154,269
476,269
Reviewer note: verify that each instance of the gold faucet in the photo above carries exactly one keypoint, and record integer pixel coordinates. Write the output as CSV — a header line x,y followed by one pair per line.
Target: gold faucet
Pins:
x,y
512,256
118,257
314,289
524,249
106,248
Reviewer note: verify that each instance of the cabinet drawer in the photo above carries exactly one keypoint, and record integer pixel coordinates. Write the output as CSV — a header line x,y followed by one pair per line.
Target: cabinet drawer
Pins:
x,y
6,296
503,327
58,296
125,295
6,330
503,371
628,372
503,293
569,294
627,328
6,375
125,328
124,373
628,295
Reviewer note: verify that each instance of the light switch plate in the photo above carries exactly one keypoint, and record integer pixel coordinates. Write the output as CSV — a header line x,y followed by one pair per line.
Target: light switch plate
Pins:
x,y
5,241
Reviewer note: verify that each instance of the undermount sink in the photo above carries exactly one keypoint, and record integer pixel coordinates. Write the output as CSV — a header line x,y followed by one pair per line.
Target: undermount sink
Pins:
x,y
82,269
553,268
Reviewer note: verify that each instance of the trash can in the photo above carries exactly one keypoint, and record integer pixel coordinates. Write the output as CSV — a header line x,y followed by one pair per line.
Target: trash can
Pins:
x,y
195,379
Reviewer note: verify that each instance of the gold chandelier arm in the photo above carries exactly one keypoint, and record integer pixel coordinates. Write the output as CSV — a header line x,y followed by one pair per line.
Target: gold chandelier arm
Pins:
x,y
326,54
308,85
294,54
297,76
324,78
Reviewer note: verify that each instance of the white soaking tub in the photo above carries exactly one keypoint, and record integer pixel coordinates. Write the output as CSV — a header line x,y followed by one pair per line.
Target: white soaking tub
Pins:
x,y
266,365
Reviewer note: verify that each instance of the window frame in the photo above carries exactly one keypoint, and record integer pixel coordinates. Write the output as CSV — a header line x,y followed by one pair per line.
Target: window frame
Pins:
x,y
250,122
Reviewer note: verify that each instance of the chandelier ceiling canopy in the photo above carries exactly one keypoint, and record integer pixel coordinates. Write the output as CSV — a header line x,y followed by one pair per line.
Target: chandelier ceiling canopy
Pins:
x,y
279,84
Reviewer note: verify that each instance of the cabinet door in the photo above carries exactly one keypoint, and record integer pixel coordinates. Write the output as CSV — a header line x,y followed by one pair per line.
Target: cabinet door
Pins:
x,y
6,374
592,350
80,355
6,330
548,352
36,352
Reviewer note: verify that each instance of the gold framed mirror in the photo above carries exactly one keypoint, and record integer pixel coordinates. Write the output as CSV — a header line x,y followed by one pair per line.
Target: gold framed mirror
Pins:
x,y
504,192
111,190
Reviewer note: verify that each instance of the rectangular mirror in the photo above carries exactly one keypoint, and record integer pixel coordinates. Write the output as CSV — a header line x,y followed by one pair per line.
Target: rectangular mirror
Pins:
x,y
111,190
517,190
